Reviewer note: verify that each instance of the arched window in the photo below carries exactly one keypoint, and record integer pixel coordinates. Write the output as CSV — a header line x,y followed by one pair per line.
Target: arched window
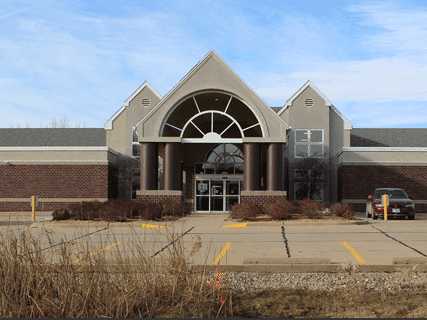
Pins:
x,y
212,117
225,158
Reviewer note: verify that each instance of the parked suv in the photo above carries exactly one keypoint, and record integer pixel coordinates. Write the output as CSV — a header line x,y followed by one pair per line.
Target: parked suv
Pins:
x,y
400,205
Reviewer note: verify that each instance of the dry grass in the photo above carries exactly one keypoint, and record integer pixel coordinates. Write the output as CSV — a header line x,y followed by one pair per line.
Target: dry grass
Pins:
x,y
341,303
38,283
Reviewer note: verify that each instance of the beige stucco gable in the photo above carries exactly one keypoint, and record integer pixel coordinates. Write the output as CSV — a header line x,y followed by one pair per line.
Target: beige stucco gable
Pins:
x,y
212,74
119,127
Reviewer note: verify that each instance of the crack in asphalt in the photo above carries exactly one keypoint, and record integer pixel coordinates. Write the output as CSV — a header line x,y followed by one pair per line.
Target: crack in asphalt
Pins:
x,y
285,240
399,241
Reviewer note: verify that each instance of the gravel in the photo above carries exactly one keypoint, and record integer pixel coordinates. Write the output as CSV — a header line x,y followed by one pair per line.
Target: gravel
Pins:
x,y
247,281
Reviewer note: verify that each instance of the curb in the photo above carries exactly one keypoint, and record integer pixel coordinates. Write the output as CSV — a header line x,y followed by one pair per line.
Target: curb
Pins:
x,y
311,268
286,261
410,260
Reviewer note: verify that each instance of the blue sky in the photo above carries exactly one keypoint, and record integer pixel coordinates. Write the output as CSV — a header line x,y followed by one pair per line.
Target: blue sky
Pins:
x,y
79,60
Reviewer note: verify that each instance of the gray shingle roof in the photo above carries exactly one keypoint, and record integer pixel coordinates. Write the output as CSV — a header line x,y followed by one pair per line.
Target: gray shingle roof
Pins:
x,y
52,137
367,137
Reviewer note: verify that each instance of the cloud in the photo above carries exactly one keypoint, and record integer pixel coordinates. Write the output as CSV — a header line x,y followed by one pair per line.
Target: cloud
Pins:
x,y
75,60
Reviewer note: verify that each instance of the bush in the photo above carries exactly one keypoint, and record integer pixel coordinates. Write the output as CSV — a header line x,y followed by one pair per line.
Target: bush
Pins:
x,y
152,211
246,211
112,210
309,208
278,209
342,210
173,208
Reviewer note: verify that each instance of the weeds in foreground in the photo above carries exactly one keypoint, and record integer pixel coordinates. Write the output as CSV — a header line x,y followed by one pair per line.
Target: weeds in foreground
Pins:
x,y
38,283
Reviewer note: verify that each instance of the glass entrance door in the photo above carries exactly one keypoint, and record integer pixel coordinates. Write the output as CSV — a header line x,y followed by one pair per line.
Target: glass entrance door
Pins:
x,y
216,195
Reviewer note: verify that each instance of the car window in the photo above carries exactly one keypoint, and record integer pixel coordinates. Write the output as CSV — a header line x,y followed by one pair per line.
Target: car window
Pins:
x,y
392,194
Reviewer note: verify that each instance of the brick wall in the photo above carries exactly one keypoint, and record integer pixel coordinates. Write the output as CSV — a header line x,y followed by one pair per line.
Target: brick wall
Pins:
x,y
160,196
260,198
356,182
51,181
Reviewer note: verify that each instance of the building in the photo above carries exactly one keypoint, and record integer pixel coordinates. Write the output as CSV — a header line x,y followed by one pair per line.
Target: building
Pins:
x,y
211,142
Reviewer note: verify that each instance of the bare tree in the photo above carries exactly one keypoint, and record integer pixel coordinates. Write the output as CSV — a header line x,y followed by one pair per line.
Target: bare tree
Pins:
x,y
310,175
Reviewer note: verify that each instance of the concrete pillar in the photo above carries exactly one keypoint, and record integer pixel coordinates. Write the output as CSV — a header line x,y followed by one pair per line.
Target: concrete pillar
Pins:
x,y
275,167
251,175
149,166
172,166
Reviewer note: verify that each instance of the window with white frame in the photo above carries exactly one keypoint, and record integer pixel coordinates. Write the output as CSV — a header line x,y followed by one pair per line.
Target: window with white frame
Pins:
x,y
309,143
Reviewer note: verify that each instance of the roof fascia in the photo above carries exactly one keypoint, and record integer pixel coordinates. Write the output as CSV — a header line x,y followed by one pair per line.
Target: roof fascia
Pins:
x,y
307,84
145,84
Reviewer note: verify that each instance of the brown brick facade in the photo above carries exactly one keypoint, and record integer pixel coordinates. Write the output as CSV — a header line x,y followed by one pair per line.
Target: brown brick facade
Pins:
x,y
52,181
356,182
261,198
160,196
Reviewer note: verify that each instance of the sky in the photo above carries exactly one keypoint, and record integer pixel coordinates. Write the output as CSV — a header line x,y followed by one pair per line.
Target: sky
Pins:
x,y
77,61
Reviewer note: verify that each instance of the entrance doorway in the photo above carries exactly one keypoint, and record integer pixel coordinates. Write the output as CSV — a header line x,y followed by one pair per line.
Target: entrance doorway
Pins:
x,y
217,193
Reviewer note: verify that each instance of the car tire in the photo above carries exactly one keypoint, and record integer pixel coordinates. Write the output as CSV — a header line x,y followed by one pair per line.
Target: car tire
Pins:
x,y
374,216
411,217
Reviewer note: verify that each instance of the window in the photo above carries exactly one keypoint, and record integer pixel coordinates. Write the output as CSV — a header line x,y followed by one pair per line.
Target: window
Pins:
x,y
312,191
135,144
309,143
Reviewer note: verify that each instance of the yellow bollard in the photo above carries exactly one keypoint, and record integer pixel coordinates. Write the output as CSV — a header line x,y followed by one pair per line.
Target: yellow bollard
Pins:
x,y
385,201
33,208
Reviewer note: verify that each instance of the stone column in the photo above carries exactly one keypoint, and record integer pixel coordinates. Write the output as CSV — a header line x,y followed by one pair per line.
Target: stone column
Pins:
x,y
275,167
172,166
251,175
149,165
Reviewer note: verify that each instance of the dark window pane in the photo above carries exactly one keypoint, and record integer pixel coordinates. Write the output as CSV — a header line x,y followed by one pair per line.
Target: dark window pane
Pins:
x,y
316,150
192,132
212,101
202,203
253,132
217,204
316,136
301,135
301,150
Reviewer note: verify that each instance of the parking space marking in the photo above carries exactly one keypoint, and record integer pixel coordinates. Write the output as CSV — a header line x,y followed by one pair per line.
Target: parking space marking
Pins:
x,y
236,225
152,226
356,255
225,248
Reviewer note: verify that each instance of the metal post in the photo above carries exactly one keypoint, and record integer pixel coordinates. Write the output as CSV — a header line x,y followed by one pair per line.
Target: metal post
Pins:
x,y
33,208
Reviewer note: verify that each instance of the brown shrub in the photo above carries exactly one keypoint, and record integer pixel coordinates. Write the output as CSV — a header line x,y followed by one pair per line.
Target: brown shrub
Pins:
x,y
173,208
278,209
112,210
342,210
152,211
246,211
309,208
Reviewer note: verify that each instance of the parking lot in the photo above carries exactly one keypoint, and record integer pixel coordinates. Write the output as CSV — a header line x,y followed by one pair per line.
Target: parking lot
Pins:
x,y
215,239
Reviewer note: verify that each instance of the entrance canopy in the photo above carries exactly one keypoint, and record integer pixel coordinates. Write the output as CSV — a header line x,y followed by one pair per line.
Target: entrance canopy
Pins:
x,y
211,104
212,117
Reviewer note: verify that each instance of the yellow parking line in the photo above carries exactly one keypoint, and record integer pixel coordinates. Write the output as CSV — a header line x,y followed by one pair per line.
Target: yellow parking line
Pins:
x,y
356,255
225,248
152,226
236,225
